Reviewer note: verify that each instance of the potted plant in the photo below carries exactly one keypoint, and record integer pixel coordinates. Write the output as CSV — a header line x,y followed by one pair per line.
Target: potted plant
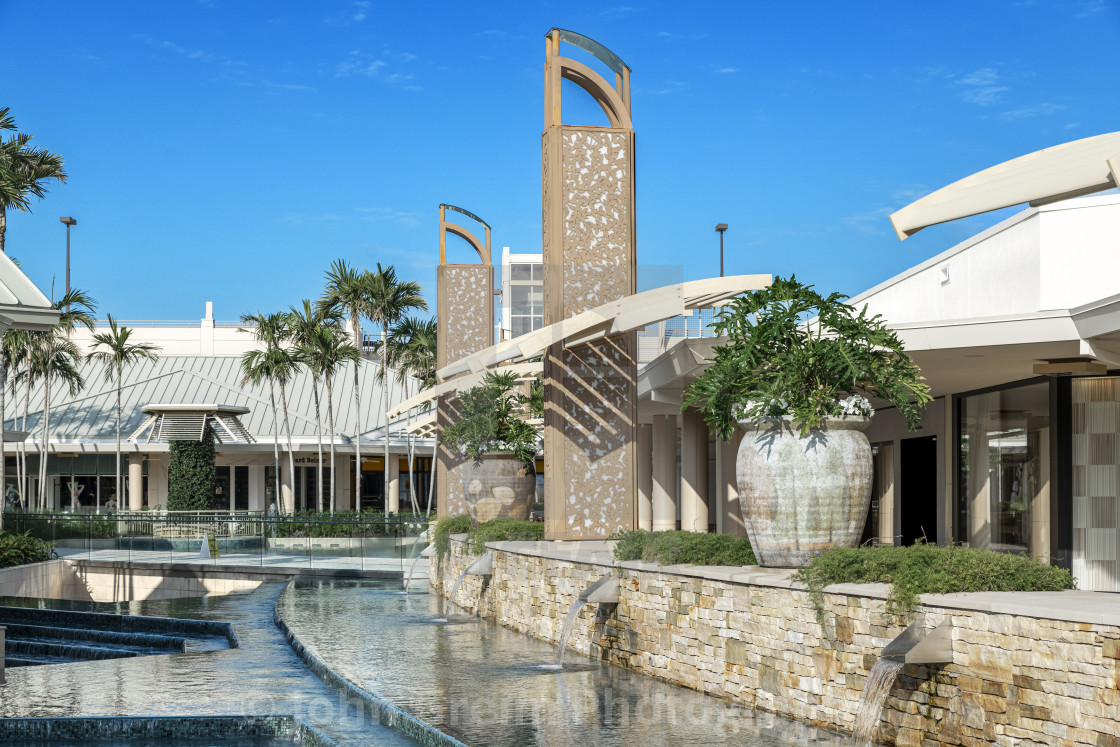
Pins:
x,y
796,373
494,433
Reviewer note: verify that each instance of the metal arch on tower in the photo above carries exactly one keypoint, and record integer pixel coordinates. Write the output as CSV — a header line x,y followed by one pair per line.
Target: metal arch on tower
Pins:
x,y
613,100
480,246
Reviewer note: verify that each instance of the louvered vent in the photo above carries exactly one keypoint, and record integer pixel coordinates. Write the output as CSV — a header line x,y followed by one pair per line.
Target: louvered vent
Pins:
x,y
188,423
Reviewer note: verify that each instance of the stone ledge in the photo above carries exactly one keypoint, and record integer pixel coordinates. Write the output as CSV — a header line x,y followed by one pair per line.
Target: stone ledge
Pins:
x,y
1098,608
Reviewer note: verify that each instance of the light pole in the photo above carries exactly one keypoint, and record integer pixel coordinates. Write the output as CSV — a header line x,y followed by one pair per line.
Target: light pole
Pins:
x,y
721,227
71,222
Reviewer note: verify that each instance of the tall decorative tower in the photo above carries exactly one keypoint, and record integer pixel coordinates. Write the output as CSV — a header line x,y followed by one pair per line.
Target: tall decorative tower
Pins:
x,y
589,260
465,298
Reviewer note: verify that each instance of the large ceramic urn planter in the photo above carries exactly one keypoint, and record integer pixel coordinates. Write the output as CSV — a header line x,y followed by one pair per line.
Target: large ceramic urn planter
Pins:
x,y
500,486
801,495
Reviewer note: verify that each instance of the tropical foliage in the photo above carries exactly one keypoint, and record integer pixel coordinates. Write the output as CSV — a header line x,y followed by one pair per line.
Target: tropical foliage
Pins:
x,y
24,171
21,549
493,417
792,351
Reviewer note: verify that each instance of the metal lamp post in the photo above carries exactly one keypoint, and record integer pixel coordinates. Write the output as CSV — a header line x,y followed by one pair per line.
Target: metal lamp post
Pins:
x,y
721,227
71,222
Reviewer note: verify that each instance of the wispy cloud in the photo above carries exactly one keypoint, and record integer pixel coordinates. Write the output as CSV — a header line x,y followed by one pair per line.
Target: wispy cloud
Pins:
x,y
1090,8
620,11
1071,125
303,219
874,221
235,72
1038,110
725,70
394,215
983,87
358,63
668,87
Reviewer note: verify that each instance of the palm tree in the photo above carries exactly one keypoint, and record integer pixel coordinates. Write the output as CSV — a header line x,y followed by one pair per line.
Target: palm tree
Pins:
x,y
114,350
346,292
304,324
53,358
412,349
23,172
276,365
324,352
389,300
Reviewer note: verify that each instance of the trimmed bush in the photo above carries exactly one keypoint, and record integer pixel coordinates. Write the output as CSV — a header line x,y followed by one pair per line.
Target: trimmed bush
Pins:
x,y
21,549
929,569
446,527
347,523
504,530
191,475
684,548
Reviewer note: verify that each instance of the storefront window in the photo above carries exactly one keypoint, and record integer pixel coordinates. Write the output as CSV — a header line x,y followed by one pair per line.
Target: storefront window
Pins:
x,y
221,489
1004,500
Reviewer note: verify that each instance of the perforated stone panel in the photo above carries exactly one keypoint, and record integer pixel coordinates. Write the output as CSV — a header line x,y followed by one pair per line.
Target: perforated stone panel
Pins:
x,y
466,325
588,188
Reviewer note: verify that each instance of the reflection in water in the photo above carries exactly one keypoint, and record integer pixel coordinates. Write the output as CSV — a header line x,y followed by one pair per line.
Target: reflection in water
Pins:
x,y
263,676
483,684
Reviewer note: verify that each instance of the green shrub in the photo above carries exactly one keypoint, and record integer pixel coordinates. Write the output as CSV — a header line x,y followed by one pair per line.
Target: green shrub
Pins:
x,y
347,523
21,549
928,569
191,474
446,527
504,530
684,548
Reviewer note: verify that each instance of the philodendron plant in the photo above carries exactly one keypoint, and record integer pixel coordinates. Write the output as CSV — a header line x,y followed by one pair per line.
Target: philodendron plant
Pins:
x,y
494,417
793,352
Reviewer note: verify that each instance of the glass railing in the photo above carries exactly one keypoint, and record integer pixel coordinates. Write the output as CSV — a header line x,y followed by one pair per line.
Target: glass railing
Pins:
x,y
240,538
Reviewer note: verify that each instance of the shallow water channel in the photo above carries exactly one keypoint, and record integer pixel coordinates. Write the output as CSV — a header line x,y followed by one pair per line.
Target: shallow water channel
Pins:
x,y
263,676
486,685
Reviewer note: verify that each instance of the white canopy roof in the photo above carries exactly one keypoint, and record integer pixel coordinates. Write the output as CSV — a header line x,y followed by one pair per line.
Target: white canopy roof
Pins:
x,y
22,304
1073,169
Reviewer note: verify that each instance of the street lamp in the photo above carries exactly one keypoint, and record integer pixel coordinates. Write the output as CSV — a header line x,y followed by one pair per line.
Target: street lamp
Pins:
x,y
721,227
69,222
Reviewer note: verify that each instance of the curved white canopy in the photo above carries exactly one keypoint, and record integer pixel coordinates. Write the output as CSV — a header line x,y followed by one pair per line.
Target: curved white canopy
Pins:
x,y
632,312
1073,169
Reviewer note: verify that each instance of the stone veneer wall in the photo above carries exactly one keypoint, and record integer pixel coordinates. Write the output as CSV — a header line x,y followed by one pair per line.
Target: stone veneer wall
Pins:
x,y
1015,680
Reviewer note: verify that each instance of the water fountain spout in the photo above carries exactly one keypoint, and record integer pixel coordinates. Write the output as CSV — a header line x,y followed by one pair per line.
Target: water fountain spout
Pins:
x,y
915,645
921,645
603,591
484,566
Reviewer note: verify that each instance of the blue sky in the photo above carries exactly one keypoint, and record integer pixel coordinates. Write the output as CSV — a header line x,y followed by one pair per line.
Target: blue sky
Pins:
x,y
230,150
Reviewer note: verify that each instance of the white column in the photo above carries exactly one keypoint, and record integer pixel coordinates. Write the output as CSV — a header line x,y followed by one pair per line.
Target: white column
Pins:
x,y
644,455
135,482
729,517
664,472
393,484
157,480
287,480
256,488
694,471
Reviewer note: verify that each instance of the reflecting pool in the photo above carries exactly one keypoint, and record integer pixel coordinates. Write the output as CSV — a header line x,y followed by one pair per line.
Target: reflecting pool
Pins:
x,y
486,685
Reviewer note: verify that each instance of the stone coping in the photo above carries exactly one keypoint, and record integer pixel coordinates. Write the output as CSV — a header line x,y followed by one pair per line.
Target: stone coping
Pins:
x,y
1093,607
204,568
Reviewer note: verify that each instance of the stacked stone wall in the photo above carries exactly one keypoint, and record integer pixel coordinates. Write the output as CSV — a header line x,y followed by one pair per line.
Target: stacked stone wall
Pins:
x,y
1015,680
